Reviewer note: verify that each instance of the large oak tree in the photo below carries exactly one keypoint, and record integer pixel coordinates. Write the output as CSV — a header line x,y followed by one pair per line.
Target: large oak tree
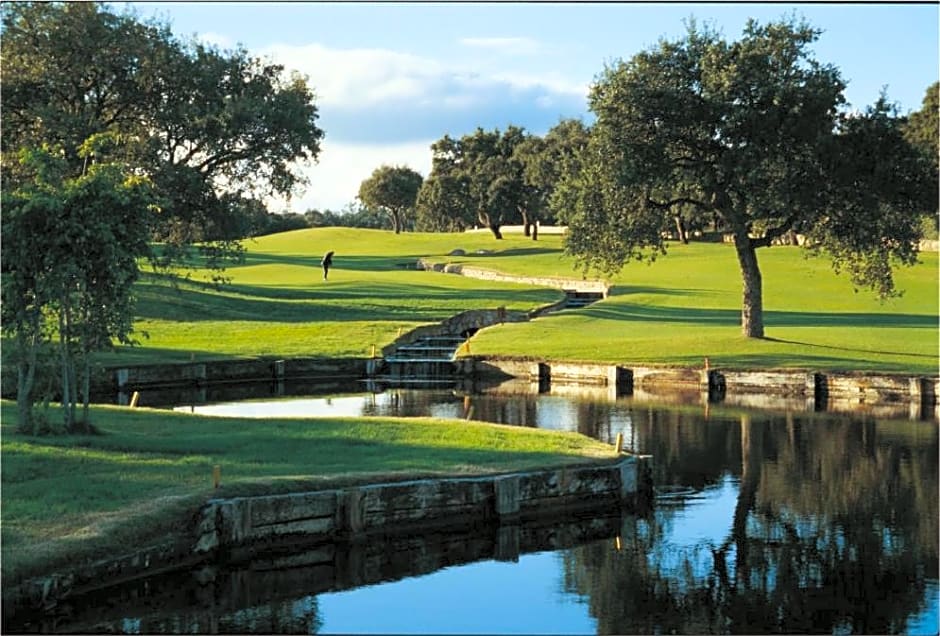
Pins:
x,y
752,132
105,120
213,129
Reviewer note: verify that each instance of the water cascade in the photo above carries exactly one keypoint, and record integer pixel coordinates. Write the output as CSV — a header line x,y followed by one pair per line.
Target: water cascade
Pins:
x,y
426,360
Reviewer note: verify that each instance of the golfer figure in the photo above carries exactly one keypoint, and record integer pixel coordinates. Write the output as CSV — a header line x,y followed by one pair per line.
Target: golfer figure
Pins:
x,y
326,262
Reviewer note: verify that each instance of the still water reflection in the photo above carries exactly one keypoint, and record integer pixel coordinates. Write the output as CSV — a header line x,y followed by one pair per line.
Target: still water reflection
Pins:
x,y
766,522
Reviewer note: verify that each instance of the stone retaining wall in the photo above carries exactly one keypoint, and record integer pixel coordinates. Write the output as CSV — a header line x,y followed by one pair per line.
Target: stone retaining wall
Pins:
x,y
798,389
458,325
253,522
225,371
596,286
243,527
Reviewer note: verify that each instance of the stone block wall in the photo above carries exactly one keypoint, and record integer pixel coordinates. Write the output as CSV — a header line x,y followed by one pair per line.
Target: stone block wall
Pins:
x,y
250,522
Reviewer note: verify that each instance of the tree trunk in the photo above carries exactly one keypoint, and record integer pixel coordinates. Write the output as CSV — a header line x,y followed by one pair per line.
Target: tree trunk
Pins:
x,y
26,376
86,389
494,228
535,231
526,224
680,228
752,309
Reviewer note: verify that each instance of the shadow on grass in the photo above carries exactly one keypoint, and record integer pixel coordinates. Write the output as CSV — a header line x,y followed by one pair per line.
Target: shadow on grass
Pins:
x,y
693,315
340,302
348,262
926,356
144,354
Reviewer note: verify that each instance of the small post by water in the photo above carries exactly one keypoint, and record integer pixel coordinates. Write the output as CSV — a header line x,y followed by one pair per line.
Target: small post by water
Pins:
x,y
134,399
373,351
216,476
619,445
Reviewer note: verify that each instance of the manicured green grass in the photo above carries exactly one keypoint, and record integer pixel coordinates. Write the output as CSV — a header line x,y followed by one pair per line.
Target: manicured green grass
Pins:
x,y
278,304
68,498
681,309
686,306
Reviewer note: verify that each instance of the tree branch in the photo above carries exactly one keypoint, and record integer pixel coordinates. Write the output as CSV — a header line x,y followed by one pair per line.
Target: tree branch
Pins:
x,y
677,201
773,233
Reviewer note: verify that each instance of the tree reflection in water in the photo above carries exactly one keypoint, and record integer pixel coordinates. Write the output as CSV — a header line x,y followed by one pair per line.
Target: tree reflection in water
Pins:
x,y
834,529
801,523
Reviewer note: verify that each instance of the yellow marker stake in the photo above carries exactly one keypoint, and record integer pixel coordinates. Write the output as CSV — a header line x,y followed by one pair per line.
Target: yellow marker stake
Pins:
x,y
373,351
617,543
134,399
618,447
216,476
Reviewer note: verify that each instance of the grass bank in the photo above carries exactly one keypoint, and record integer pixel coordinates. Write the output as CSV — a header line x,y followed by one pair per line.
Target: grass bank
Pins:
x,y
66,498
677,311
686,306
278,303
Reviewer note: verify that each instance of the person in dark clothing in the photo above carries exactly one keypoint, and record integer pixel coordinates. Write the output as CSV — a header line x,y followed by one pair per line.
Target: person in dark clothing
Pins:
x,y
326,263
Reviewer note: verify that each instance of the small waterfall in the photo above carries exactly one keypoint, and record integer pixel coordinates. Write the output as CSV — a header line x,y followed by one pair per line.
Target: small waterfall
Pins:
x,y
575,299
426,360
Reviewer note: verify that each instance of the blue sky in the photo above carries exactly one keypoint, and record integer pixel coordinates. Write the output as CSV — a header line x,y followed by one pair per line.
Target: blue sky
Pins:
x,y
392,78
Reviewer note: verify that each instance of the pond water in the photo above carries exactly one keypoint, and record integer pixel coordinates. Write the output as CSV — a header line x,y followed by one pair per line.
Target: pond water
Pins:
x,y
764,522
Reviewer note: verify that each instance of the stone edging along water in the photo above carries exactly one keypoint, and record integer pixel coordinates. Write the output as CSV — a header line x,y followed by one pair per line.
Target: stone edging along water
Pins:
x,y
470,271
239,528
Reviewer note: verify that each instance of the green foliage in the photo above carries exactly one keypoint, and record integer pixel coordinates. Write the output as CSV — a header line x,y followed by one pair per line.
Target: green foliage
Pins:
x,y
560,157
443,204
477,176
149,471
922,130
746,133
216,131
873,219
393,190
923,127
70,254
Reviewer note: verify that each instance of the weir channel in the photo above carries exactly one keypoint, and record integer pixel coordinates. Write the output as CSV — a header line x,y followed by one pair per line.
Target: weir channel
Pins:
x,y
431,359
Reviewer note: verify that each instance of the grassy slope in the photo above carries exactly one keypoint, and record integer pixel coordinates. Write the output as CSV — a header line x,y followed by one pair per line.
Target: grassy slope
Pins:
x,y
677,311
70,497
278,303
686,306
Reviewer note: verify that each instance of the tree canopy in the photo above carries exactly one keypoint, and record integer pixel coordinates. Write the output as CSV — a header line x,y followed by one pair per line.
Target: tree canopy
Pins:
x,y
212,129
752,133
476,179
394,191
117,134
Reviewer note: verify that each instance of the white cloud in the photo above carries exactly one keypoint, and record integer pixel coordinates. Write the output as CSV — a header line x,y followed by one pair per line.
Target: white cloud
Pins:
x,y
381,106
334,181
357,77
508,46
360,78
